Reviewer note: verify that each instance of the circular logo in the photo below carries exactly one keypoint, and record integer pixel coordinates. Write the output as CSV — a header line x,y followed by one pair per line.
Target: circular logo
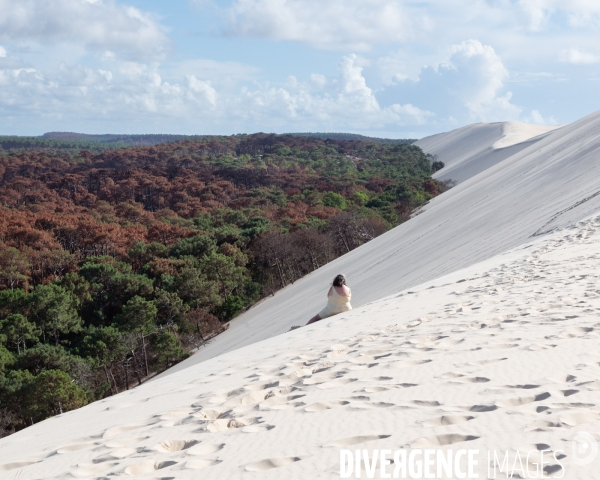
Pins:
x,y
585,448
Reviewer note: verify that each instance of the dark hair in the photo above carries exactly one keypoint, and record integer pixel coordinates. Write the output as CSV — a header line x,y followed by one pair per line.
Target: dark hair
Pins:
x,y
339,280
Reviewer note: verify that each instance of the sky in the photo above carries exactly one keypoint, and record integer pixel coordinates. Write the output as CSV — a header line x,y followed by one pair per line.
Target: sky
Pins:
x,y
386,68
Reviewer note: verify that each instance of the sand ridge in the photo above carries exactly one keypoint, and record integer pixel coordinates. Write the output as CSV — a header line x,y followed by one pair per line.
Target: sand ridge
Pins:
x,y
502,355
472,149
514,133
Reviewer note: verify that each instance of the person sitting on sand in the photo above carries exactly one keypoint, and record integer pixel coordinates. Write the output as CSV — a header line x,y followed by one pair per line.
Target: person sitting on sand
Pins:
x,y
338,300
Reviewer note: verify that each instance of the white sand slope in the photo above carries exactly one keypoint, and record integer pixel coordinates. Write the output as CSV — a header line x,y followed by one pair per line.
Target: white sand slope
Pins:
x,y
501,356
549,184
470,150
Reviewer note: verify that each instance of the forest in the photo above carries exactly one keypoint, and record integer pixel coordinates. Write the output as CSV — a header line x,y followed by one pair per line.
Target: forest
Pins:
x,y
117,263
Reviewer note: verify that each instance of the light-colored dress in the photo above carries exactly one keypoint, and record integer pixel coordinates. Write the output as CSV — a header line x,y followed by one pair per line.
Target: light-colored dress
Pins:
x,y
336,303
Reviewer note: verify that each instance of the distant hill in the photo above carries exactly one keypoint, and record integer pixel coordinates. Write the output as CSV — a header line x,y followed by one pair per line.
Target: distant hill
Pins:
x,y
155,139
117,139
72,143
17,144
354,136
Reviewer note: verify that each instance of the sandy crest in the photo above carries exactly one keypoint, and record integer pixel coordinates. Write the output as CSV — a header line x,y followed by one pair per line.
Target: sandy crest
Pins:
x,y
514,133
502,355
470,150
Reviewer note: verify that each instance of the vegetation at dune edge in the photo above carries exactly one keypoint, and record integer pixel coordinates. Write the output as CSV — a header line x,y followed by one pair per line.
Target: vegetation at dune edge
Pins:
x,y
116,263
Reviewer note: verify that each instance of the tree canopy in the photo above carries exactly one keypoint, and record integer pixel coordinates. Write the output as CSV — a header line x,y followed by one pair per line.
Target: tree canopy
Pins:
x,y
116,262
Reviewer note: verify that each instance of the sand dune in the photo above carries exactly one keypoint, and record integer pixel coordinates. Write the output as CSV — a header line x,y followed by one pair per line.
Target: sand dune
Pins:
x,y
259,412
470,150
477,327
549,184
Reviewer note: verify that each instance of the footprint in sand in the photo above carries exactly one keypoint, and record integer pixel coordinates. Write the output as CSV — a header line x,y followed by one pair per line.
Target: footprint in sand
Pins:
x,y
516,402
173,445
591,385
338,351
76,447
116,430
411,363
223,396
224,424
366,360
362,366
204,449
209,414
530,447
377,389
20,464
449,342
453,375
146,466
394,328
261,386
580,418
349,441
367,405
322,367
200,464
485,362
543,426
91,469
285,406
322,406
568,393
503,346
527,386
124,442
116,454
427,403
255,397
270,463
481,408
385,388
258,428
440,440
322,378
377,352
281,402
340,382
536,347
563,378
471,380
447,420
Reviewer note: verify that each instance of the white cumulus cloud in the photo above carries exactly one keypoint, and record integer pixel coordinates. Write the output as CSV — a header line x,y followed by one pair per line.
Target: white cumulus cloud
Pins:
x,y
578,57
468,83
126,93
537,118
579,13
332,24
484,78
97,25
344,102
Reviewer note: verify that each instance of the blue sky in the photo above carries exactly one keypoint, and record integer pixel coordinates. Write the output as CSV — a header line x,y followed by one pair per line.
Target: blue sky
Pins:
x,y
393,68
